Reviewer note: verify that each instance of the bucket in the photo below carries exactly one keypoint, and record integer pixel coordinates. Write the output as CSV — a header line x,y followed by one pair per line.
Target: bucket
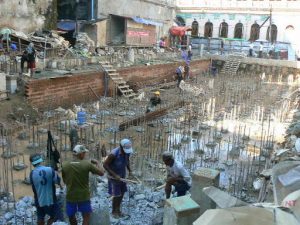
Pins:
x,y
81,117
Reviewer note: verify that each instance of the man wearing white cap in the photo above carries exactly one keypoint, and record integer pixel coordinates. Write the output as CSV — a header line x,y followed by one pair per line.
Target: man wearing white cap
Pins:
x,y
116,164
75,175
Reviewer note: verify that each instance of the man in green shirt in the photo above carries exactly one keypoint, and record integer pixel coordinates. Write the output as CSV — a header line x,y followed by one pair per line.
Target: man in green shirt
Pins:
x,y
75,175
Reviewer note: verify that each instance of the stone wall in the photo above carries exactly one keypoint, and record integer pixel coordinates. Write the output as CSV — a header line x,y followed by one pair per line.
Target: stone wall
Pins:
x,y
65,91
24,15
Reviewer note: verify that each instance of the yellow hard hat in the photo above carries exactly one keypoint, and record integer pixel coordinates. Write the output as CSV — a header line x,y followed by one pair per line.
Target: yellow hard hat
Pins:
x,y
157,93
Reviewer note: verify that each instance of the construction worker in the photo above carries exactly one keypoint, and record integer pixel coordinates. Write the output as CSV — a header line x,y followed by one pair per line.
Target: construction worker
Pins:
x,y
43,180
177,176
75,175
154,101
116,164
179,74
73,136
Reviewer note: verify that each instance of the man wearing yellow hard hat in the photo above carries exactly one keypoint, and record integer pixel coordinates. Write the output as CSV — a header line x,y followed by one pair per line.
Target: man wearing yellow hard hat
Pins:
x,y
154,101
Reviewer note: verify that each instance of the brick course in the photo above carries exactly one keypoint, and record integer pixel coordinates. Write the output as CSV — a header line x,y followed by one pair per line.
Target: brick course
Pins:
x,y
65,91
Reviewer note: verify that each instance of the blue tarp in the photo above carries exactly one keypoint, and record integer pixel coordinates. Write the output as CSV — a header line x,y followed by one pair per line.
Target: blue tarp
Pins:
x,y
145,21
66,25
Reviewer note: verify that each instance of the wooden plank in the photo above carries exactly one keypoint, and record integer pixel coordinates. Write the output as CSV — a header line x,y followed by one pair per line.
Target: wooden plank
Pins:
x,y
150,116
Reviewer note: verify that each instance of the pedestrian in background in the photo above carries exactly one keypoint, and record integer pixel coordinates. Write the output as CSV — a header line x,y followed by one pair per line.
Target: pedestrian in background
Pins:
x,y
251,49
43,180
222,47
31,58
116,164
75,175
261,48
24,58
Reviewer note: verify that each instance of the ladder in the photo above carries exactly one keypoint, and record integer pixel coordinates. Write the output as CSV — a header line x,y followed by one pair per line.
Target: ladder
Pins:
x,y
232,64
122,86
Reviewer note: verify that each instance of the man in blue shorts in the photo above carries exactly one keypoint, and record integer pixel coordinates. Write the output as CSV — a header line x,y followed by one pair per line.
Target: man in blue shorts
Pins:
x,y
75,174
116,164
43,181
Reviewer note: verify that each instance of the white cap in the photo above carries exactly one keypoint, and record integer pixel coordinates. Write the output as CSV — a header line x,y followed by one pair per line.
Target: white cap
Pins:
x,y
79,149
127,146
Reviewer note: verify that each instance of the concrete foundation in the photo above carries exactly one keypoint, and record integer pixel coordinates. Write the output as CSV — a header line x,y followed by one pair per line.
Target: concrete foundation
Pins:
x,y
11,84
2,82
181,211
204,177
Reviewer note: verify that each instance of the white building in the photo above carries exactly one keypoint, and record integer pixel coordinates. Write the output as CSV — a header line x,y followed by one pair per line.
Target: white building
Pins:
x,y
247,19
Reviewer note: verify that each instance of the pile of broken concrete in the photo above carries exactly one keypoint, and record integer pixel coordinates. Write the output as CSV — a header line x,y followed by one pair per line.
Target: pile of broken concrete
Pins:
x,y
141,206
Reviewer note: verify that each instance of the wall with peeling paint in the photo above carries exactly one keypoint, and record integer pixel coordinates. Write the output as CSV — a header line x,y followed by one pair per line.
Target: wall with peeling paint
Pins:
x,y
24,15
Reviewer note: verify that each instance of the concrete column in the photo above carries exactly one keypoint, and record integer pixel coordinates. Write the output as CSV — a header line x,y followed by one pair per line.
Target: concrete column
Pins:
x,y
11,84
181,211
2,81
204,177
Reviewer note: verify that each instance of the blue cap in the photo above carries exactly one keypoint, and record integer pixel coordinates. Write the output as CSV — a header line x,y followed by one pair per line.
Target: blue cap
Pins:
x,y
36,159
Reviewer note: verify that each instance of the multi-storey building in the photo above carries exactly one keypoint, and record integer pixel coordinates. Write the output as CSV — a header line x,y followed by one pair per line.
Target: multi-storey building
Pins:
x,y
131,22
247,19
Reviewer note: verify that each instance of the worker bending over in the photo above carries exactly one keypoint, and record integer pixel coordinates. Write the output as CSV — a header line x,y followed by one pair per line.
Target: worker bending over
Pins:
x,y
177,176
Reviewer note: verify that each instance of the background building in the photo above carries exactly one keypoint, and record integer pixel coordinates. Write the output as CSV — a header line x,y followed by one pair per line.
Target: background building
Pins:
x,y
247,19
131,22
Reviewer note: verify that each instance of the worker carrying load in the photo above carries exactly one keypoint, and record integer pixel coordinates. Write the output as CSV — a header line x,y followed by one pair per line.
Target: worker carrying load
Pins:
x,y
154,101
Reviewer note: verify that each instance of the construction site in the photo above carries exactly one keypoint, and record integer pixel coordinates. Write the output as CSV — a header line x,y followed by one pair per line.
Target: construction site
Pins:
x,y
233,122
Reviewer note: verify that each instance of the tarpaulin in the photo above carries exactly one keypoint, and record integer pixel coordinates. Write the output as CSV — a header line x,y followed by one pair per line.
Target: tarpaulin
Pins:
x,y
145,21
179,31
66,25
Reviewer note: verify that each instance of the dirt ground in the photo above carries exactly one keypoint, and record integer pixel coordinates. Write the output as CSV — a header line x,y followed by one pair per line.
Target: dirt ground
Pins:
x,y
15,110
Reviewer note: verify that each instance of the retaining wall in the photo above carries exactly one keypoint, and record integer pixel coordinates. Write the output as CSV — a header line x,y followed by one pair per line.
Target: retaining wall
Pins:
x,y
65,91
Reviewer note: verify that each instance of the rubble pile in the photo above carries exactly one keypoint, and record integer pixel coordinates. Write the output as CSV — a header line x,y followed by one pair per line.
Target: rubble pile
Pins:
x,y
141,206
51,39
84,43
21,212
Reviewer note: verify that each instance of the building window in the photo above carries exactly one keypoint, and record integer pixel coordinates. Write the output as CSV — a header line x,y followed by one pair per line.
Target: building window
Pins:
x,y
238,30
273,33
208,29
195,27
254,35
223,30
180,21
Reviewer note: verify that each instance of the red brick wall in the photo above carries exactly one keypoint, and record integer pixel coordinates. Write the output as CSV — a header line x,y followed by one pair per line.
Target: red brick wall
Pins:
x,y
64,91
143,72
68,90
